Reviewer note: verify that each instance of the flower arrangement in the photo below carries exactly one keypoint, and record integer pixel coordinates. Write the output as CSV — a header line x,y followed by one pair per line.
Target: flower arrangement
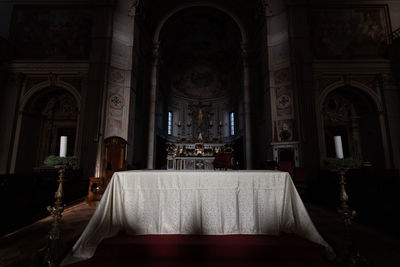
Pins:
x,y
55,160
345,163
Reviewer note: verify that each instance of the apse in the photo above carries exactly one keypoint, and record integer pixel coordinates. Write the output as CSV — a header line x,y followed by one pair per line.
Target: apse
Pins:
x,y
200,79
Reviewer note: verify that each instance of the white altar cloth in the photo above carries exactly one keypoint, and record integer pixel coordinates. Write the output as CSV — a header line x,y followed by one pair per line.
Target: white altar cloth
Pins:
x,y
196,202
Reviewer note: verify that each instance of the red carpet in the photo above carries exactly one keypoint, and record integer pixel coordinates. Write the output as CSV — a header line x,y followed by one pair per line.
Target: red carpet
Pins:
x,y
206,250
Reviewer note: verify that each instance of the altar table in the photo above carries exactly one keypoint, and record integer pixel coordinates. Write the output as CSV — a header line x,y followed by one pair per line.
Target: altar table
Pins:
x,y
196,202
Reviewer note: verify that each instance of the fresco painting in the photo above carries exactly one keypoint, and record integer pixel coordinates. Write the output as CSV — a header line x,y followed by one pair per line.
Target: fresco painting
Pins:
x,y
357,32
52,33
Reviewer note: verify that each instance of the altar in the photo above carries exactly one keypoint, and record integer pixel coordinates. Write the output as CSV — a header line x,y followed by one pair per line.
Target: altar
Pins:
x,y
194,156
196,202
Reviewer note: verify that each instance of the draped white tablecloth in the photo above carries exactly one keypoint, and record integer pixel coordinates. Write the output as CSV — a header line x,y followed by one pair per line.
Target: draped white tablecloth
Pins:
x,y
196,202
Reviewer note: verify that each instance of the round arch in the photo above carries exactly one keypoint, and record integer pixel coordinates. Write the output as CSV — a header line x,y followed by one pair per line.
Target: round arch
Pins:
x,y
154,78
29,96
42,86
371,94
172,12
330,88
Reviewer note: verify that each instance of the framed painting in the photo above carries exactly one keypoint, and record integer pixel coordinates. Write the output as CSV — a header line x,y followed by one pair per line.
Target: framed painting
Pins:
x,y
51,32
350,32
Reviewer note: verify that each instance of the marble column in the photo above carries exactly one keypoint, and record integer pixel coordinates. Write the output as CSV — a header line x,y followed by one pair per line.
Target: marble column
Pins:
x,y
9,104
247,111
117,108
152,113
356,137
390,126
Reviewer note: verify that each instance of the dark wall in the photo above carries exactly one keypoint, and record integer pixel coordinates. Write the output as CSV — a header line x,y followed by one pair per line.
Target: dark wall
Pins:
x,y
28,144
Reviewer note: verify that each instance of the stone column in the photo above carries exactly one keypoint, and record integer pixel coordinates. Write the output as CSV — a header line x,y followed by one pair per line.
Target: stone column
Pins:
x,y
355,131
390,133
247,111
8,114
120,73
152,113
281,80
118,96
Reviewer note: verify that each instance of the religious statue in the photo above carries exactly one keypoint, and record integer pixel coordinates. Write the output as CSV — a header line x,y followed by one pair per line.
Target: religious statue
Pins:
x,y
200,116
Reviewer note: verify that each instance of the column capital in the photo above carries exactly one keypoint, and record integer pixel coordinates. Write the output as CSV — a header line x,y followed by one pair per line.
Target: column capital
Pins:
x,y
15,79
266,7
245,53
133,4
156,52
156,46
244,46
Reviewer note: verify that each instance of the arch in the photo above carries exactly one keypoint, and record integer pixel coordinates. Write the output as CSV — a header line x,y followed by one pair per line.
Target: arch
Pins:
x,y
154,77
43,85
371,94
330,88
26,98
199,4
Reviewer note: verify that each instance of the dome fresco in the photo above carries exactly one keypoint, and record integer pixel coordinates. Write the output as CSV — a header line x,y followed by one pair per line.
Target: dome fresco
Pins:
x,y
200,52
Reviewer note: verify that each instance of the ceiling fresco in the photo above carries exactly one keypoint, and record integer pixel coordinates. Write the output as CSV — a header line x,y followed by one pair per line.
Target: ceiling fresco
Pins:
x,y
200,50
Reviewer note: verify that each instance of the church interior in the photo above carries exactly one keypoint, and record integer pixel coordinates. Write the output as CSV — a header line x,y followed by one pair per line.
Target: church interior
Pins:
x,y
199,86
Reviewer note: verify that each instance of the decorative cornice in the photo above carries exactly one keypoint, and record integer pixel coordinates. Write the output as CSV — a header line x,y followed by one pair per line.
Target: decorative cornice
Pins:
x,y
48,66
351,66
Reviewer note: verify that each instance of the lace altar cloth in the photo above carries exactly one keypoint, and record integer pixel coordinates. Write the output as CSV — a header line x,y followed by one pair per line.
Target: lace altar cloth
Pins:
x,y
196,202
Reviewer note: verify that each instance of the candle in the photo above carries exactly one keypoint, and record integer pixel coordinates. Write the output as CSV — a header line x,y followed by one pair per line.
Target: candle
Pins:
x,y
220,123
63,146
338,146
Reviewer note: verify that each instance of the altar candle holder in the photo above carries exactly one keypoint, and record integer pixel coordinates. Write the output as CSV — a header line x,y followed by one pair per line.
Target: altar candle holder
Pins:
x,y
189,124
179,131
340,165
220,125
54,250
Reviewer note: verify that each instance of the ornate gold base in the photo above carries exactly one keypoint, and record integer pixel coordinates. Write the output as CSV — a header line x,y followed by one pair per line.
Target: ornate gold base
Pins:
x,y
350,256
95,191
54,250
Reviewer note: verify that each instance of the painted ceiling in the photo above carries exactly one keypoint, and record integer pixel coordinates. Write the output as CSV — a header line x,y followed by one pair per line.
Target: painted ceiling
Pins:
x,y
200,49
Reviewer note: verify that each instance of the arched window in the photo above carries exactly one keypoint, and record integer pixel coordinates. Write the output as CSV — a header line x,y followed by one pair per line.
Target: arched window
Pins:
x,y
232,123
169,123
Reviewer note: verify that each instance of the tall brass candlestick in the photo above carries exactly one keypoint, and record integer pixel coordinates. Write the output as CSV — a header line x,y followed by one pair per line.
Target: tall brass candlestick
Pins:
x,y
53,251
179,131
351,256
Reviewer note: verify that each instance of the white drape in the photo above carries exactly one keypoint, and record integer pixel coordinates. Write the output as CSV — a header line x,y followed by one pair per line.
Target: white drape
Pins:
x,y
196,202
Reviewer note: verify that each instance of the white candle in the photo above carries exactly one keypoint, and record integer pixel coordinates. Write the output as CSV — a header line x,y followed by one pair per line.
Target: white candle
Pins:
x,y
63,146
338,146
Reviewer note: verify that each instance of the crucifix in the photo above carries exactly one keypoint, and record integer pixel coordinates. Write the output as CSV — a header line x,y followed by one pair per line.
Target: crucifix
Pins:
x,y
200,117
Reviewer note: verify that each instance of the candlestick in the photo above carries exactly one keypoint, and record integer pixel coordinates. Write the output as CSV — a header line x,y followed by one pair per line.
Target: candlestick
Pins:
x,y
63,146
53,254
338,146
